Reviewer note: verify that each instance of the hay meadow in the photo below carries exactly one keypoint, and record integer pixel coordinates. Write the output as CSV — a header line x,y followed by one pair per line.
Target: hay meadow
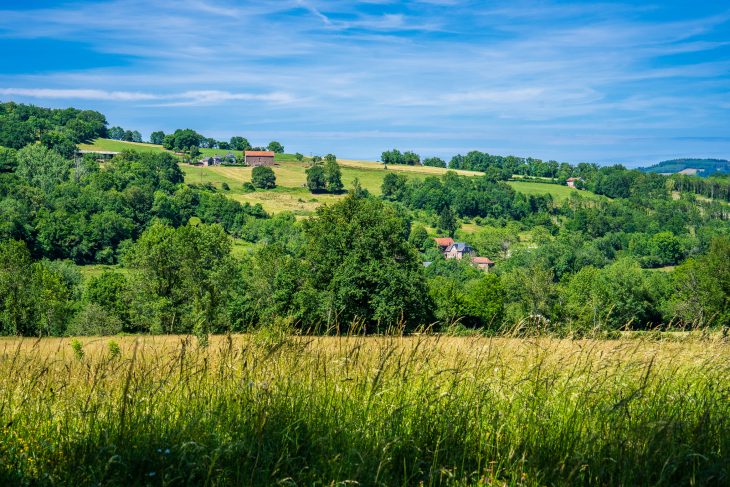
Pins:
x,y
270,408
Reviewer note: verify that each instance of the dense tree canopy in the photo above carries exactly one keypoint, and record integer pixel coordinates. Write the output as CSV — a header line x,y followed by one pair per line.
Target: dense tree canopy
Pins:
x,y
263,177
363,268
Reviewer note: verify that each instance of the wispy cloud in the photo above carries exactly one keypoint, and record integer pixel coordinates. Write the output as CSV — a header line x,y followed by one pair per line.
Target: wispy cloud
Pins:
x,y
77,94
187,98
544,77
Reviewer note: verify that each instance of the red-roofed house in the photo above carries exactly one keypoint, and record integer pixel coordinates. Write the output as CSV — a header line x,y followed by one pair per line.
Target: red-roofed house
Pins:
x,y
571,182
482,263
259,158
444,242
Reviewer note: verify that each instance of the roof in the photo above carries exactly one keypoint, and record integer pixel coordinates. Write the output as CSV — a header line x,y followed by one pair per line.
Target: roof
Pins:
x,y
444,241
103,152
460,247
574,179
264,153
482,260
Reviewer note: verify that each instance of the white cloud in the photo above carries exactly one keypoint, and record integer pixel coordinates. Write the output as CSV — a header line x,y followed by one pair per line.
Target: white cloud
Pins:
x,y
187,98
210,97
495,96
77,94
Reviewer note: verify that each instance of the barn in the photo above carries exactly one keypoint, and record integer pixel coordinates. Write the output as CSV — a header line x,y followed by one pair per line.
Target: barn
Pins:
x,y
259,158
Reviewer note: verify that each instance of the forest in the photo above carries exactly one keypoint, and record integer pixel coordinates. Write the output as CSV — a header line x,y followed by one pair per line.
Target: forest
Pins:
x,y
650,252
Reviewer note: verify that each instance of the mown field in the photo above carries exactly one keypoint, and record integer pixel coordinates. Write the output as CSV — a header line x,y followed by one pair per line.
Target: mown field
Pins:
x,y
291,193
275,409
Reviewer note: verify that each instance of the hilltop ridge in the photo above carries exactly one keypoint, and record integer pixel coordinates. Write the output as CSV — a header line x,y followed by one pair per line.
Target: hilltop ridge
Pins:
x,y
692,167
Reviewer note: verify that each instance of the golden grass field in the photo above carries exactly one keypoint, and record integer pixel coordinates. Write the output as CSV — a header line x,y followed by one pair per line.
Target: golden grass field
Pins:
x,y
276,409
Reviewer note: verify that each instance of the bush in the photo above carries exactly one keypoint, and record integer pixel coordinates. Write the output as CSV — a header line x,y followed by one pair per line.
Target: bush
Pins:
x,y
94,320
248,187
263,177
225,187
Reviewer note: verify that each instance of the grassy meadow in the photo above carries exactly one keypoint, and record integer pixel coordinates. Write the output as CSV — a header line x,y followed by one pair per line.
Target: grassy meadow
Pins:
x,y
275,409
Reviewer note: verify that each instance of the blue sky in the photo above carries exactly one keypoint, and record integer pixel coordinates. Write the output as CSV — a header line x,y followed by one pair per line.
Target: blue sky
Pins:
x,y
630,82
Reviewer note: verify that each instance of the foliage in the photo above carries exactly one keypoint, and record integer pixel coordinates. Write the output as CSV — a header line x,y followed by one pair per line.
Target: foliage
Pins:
x,y
434,162
276,147
363,268
182,140
396,157
94,320
316,178
702,288
263,177
21,125
157,137
41,168
239,143
332,174
447,221
183,273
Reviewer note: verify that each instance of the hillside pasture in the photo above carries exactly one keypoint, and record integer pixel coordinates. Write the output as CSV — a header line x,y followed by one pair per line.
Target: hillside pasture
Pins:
x,y
559,192
119,146
271,408
291,193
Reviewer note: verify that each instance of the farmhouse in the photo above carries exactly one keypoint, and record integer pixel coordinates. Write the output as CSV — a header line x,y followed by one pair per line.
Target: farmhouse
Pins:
x,y
210,161
482,263
458,250
443,243
101,155
259,158
571,182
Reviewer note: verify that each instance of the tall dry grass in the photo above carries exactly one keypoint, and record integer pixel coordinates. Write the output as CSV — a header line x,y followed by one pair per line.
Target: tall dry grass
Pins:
x,y
251,410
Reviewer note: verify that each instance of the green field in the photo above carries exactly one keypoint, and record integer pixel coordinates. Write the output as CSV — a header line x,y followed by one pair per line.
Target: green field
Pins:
x,y
119,146
276,409
560,193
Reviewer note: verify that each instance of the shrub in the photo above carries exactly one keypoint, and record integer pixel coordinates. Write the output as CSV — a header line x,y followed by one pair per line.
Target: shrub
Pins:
x,y
225,187
114,350
263,177
78,349
94,320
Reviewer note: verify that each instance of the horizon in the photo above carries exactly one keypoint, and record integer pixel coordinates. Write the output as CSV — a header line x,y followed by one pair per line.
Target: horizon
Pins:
x,y
627,83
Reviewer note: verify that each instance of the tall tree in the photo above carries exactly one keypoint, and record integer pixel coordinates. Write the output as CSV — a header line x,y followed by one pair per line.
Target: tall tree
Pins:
x,y
275,146
362,266
333,175
316,180
157,137
263,177
183,276
240,143
42,167
447,220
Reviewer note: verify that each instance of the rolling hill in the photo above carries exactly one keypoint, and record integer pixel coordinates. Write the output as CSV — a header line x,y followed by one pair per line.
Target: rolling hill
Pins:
x,y
692,167
291,193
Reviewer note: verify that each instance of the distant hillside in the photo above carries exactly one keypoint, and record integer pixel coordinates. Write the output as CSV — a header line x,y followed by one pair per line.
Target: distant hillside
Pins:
x,y
694,167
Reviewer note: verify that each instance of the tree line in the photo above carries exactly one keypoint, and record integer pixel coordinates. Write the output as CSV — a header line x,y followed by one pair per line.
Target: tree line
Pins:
x,y
57,129
357,263
614,181
186,139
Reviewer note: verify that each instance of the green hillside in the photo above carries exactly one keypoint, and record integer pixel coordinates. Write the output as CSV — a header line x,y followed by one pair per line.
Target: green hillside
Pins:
x,y
692,167
291,193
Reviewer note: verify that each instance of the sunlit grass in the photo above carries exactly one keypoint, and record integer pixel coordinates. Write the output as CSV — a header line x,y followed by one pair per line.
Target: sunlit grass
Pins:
x,y
273,409
558,192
